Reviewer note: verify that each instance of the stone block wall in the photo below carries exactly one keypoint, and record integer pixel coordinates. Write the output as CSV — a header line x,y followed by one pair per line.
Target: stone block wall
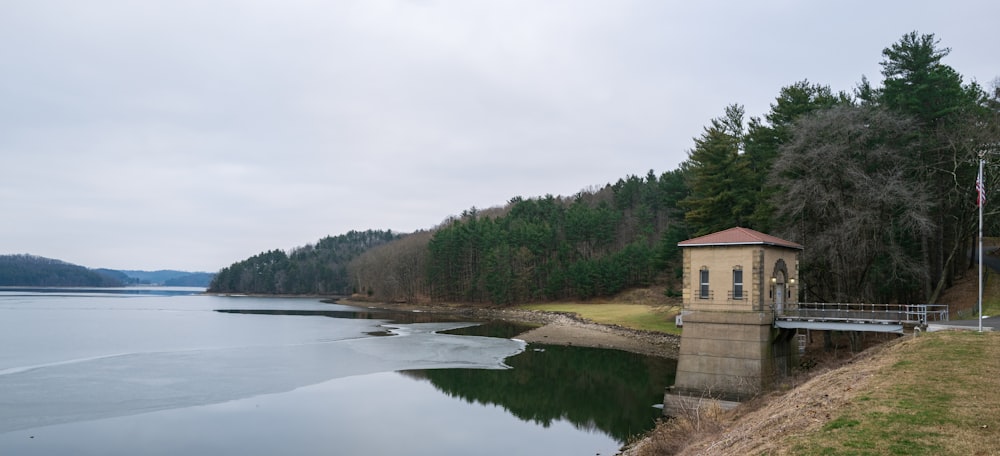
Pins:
x,y
725,354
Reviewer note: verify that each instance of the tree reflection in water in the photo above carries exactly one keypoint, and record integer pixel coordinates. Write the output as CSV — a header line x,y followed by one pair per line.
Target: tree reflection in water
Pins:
x,y
610,391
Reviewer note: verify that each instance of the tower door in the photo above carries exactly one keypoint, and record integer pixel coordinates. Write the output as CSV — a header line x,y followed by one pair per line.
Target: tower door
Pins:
x,y
779,298
780,287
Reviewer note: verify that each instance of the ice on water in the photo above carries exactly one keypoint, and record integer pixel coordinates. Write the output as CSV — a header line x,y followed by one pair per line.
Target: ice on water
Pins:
x,y
61,364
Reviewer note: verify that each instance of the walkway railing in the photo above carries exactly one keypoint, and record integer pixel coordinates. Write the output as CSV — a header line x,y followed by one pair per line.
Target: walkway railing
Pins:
x,y
918,314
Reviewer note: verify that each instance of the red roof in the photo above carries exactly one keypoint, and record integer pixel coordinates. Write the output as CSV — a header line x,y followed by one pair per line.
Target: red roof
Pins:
x,y
738,236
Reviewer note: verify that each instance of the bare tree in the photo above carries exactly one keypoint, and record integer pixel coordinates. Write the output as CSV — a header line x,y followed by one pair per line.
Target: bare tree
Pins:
x,y
396,271
848,195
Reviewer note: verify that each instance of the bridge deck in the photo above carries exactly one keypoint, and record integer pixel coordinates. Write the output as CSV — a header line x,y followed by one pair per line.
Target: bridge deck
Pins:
x,y
858,317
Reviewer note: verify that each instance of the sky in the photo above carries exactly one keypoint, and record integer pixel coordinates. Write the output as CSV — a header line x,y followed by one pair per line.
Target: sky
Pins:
x,y
190,134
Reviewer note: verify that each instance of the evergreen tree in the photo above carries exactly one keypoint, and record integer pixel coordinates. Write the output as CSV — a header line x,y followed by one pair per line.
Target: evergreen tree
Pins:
x,y
311,269
918,84
722,189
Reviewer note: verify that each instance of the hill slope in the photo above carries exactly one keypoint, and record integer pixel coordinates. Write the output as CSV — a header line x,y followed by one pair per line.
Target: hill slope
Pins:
x,y
934,394
36,271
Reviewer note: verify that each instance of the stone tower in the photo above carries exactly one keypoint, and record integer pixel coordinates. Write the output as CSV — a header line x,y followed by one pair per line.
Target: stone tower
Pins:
x,y
734,282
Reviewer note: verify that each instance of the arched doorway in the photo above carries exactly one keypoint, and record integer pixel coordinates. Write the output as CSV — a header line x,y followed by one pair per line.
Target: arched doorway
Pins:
x,y
781,345
779,288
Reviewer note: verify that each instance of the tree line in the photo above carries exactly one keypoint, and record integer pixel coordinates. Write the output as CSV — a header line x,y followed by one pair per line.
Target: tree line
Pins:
x,y
593,244
877,184
36,271
319,268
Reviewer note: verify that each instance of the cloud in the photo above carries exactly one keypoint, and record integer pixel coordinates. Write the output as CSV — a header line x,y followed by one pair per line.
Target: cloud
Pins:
x,y
191,135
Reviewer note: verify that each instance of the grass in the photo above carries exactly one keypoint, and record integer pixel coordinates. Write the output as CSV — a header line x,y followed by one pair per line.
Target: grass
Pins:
x,y
942,396
635,316
991,293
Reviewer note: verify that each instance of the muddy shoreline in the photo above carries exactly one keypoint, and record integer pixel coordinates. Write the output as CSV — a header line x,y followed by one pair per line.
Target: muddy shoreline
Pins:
x,y
554,328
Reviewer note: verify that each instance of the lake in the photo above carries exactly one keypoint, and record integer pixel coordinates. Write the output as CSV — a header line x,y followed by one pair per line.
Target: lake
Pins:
x,y
166,371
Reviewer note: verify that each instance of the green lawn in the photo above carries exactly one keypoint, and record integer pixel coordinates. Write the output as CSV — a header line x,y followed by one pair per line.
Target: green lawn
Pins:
x,y
635,316
942,396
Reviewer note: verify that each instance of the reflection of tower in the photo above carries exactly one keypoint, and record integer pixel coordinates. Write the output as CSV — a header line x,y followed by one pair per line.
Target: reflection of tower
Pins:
x,y
730,349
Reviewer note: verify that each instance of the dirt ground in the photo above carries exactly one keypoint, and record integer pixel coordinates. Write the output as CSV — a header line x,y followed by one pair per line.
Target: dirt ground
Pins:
x,y
565,330
562,329
755,427
962,296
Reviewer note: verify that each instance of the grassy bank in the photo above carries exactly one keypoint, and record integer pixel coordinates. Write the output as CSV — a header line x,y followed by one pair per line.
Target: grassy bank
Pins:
x,y
940,394
937,394
635,316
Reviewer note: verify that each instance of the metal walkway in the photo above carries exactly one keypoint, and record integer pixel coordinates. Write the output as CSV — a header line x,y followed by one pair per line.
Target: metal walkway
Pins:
x,y
858,317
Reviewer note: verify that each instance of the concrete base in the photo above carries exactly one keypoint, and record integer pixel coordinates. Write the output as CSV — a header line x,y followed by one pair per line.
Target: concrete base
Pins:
x,y
675,404
730,356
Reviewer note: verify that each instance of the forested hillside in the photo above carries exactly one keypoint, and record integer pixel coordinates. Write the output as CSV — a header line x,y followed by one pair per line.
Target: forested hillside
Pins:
x,y
163,277
193,279
36,271
311,269
593,244
878,184
596,243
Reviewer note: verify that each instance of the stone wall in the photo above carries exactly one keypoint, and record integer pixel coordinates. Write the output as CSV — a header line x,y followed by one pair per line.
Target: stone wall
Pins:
x,y
758,265
726,355
730,349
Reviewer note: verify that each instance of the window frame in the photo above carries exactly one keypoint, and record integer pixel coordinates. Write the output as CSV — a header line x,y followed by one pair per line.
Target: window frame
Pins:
x,y
704,289
738,291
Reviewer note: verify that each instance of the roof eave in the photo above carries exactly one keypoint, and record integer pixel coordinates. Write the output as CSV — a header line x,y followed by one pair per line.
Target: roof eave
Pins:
x,y
723,244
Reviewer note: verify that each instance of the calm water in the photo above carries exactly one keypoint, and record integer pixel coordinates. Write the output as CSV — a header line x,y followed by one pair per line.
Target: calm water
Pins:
x,y
147,373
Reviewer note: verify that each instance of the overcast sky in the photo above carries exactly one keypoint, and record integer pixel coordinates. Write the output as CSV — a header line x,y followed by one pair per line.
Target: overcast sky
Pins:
x,y
190,134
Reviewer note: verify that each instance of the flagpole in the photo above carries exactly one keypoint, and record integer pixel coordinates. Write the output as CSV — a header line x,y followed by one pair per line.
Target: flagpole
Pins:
x,y
981,187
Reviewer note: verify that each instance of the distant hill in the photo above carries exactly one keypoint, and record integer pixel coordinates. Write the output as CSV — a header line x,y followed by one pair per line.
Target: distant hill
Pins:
x,y
36,271
168,277
319,268
194,279
115,275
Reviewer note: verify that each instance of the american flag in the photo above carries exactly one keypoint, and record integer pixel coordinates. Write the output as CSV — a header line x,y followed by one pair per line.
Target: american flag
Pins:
x,y
980,189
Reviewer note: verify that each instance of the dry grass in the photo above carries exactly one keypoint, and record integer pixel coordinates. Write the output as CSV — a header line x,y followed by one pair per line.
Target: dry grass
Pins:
x,y
635,316
962,297
672,436
644,309
934,394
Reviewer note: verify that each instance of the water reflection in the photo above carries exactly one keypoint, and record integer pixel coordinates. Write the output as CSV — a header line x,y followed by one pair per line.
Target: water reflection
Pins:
x,y
90,291
609,391
393,316
595,389
501,329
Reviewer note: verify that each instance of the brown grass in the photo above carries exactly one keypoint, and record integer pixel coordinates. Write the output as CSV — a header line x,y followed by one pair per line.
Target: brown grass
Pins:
x,y
672,436
934,394
937,394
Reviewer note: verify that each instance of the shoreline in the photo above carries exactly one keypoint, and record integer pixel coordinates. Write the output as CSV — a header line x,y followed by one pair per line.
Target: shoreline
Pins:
x,y
570,331
554,328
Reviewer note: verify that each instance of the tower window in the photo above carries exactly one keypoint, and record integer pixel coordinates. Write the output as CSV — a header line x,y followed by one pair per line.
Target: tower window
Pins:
x,y
737,283
703,290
